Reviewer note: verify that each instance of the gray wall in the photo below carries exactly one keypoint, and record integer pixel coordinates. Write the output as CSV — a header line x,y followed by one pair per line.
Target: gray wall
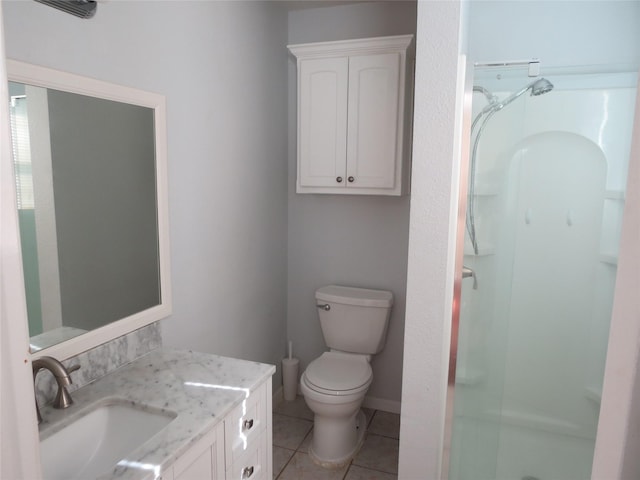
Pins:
x,y
342,239
222,67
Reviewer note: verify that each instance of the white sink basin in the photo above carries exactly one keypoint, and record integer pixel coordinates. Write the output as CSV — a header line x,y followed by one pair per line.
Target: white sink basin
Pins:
x,y
96,442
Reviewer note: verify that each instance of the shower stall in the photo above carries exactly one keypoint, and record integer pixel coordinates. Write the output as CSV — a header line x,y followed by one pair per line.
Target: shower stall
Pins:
x,y
546,189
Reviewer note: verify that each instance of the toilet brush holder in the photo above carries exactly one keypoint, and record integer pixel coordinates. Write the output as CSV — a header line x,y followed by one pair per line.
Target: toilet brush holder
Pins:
x,y
290,378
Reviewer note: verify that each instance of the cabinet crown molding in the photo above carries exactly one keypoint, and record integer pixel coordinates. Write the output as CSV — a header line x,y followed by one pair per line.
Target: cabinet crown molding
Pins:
x,y
362,46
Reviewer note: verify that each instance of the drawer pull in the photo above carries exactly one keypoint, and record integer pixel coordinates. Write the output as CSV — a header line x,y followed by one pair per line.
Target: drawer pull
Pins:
x,y
247,425
247,472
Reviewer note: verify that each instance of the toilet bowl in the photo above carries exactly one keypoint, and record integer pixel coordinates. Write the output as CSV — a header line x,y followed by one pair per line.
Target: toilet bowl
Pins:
x,y
334,386
354,323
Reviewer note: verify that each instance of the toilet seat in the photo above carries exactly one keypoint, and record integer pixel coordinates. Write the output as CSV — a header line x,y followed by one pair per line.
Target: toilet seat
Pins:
x,y
336,373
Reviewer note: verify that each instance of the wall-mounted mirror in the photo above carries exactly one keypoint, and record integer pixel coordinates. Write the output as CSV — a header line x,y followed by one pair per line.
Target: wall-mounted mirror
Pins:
x,y
90,168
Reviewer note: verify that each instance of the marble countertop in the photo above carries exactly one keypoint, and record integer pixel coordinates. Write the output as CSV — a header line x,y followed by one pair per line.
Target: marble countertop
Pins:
x,y
198,389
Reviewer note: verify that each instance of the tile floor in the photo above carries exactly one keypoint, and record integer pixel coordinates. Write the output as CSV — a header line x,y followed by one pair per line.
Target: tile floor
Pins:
x,y
292,431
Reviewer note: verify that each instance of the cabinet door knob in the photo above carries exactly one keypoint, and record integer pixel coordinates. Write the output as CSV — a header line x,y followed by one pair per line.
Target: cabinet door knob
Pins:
x,y
339,179
247,472
247,424
351,179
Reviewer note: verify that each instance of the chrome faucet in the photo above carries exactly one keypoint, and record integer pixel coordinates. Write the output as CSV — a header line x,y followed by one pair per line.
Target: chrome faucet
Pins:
x,y
61,374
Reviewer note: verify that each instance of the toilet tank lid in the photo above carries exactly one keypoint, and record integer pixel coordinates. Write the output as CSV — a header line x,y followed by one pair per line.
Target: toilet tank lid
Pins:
x,y
355,296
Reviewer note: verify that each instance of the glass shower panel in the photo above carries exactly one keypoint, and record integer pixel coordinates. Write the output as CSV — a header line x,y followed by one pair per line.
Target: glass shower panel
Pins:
x,y
544,212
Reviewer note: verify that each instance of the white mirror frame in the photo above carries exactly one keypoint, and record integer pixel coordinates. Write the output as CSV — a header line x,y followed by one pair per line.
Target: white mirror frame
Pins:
x,y
45,77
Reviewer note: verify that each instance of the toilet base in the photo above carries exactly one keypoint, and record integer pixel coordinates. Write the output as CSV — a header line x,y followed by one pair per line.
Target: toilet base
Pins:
x,y
335,443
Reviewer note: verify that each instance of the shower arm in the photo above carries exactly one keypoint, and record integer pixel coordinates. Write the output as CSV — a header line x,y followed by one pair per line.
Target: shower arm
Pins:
x,y
491,98
499,106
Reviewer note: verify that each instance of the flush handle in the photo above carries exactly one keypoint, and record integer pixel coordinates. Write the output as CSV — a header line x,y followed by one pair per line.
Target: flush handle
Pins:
x,y
326,307
247,472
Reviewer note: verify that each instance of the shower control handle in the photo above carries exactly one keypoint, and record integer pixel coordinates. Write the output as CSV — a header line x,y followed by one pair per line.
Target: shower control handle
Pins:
x,y
468,272
325,307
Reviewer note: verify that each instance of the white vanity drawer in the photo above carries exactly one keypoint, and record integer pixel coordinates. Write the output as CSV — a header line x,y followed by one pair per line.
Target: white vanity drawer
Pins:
x,y
252,464
243,426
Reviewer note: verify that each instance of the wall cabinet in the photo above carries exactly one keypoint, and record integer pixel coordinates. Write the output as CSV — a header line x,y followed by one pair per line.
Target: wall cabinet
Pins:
x,y
238,448
354,116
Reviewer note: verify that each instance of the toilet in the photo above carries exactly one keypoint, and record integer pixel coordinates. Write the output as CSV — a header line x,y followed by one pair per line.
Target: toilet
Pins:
x,y
354,324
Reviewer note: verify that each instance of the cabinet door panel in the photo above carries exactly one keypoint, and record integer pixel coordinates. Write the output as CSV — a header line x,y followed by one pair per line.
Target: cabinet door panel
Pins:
x,y
204,460
322,120
374,82
200,469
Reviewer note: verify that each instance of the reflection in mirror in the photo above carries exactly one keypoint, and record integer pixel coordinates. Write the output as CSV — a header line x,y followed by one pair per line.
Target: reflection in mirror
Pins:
x,y
87,193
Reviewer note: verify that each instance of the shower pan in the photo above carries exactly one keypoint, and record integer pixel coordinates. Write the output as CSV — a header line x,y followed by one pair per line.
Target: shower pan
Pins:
x,y
545,181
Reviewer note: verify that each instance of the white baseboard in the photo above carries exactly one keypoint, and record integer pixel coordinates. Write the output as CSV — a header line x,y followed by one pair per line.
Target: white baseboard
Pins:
x,y
391,406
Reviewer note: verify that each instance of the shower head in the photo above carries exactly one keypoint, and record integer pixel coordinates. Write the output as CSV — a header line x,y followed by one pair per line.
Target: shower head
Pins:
x,y
541,86
79,8
537,87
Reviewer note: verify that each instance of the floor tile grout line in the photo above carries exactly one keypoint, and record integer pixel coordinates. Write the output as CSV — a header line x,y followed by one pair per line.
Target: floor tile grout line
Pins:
x,y
284,467
346,472
382,435
373,469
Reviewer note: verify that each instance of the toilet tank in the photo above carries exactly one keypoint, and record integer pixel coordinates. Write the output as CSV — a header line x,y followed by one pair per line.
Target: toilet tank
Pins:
x,y
354,319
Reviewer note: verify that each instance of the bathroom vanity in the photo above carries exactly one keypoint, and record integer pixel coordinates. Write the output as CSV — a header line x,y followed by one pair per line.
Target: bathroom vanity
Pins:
x,y
207,417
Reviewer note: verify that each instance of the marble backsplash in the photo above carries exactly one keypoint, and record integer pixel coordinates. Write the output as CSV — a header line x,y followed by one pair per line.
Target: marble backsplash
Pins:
x,y
99,361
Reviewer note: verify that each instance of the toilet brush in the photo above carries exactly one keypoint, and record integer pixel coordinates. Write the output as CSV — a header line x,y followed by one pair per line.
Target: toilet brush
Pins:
x,y
290,375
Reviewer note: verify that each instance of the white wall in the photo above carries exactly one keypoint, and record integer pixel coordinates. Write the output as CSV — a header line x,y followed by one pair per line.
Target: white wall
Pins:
x,y
436,152
559,33
222,67
346,239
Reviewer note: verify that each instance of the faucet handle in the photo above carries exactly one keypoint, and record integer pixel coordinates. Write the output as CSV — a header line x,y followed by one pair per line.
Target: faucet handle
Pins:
x,y
73,368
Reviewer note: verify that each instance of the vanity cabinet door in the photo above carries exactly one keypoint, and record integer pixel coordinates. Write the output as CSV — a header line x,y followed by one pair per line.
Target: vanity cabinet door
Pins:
x,y
203,461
